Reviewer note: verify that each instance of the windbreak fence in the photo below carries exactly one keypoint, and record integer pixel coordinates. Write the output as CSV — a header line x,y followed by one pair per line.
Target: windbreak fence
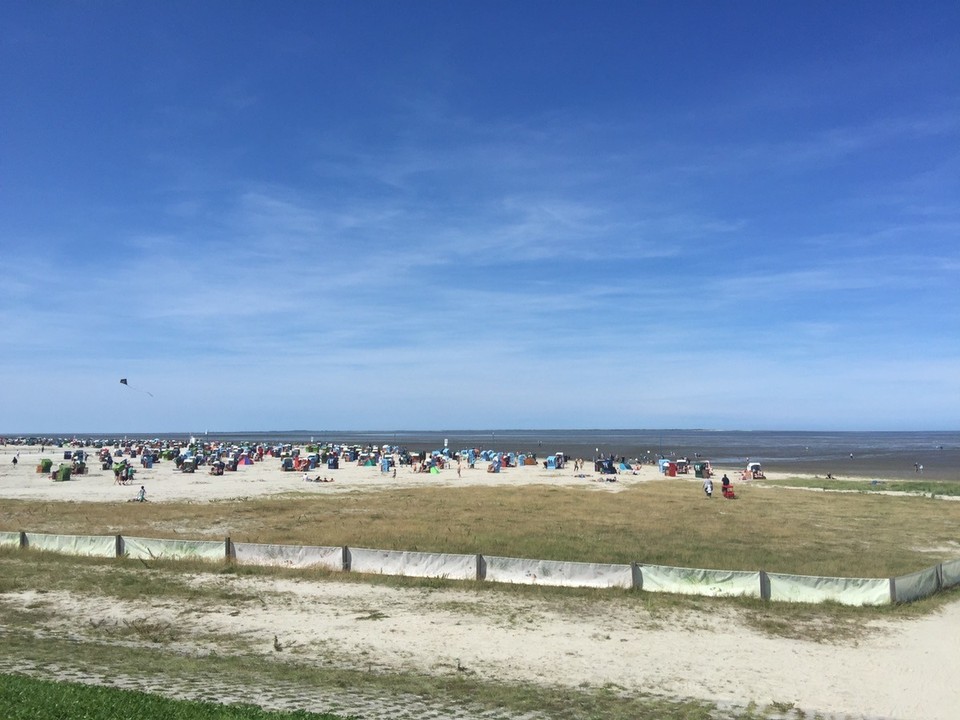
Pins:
x,y
776,587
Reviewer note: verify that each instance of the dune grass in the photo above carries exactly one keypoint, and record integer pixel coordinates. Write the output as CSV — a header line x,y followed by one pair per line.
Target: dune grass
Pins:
x,y
671,523
446,696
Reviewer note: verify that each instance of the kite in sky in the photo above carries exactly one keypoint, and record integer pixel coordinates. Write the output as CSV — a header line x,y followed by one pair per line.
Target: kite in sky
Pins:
x,y
123,381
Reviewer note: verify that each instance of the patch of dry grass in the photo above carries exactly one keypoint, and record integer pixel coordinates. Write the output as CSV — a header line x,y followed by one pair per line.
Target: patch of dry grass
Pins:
x,y
671,523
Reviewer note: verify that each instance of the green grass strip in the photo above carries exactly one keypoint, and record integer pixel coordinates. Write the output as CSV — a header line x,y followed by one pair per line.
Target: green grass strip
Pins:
x,y
917,487
24,698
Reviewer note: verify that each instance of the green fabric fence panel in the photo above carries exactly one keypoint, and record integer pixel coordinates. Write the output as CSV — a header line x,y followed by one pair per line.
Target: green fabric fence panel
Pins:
x,y
696,581
950,573
846,591
10,539
914,586
147,548
89,545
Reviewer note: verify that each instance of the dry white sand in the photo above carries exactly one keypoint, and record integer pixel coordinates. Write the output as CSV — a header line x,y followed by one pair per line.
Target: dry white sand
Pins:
x,y
906,669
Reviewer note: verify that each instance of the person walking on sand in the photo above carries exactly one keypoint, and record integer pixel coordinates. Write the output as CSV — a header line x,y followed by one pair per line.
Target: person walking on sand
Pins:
x,y
708,488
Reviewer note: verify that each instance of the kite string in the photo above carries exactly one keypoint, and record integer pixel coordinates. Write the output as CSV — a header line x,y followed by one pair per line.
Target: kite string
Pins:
x,y
123,381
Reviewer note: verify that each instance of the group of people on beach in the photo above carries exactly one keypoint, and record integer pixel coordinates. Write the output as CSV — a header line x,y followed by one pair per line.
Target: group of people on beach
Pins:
x,y
307,478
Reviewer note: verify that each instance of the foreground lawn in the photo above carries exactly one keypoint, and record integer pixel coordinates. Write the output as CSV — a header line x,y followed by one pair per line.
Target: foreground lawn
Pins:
x,y
24,698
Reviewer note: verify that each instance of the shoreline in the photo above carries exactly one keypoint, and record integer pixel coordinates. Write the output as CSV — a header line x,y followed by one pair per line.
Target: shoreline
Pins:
x,y
871,455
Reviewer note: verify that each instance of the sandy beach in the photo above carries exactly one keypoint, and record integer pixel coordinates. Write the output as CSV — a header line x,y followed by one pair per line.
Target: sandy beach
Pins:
x,y
166,483
904,670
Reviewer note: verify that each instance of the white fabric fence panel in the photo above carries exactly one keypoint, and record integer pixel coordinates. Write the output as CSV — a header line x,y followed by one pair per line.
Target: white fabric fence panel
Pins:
x,y
413,564
288,555
846,591
555,572
914,586
950,573
695,581
9,539
146,548
90,545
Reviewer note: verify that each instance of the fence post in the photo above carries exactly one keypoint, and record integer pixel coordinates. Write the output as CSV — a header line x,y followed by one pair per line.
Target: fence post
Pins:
x,y
636,577
227,549
893,591
345,562
764,585
481,568
23,539
118,546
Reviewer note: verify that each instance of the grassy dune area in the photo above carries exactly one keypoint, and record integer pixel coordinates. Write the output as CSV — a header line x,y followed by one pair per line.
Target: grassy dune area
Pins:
x,y
163,625
768,528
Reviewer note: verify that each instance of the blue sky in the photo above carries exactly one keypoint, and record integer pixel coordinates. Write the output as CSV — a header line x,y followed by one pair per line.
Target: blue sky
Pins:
x,y
451,215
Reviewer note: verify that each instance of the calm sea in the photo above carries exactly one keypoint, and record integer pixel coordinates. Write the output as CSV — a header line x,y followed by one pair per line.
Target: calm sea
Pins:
x,y
865,454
